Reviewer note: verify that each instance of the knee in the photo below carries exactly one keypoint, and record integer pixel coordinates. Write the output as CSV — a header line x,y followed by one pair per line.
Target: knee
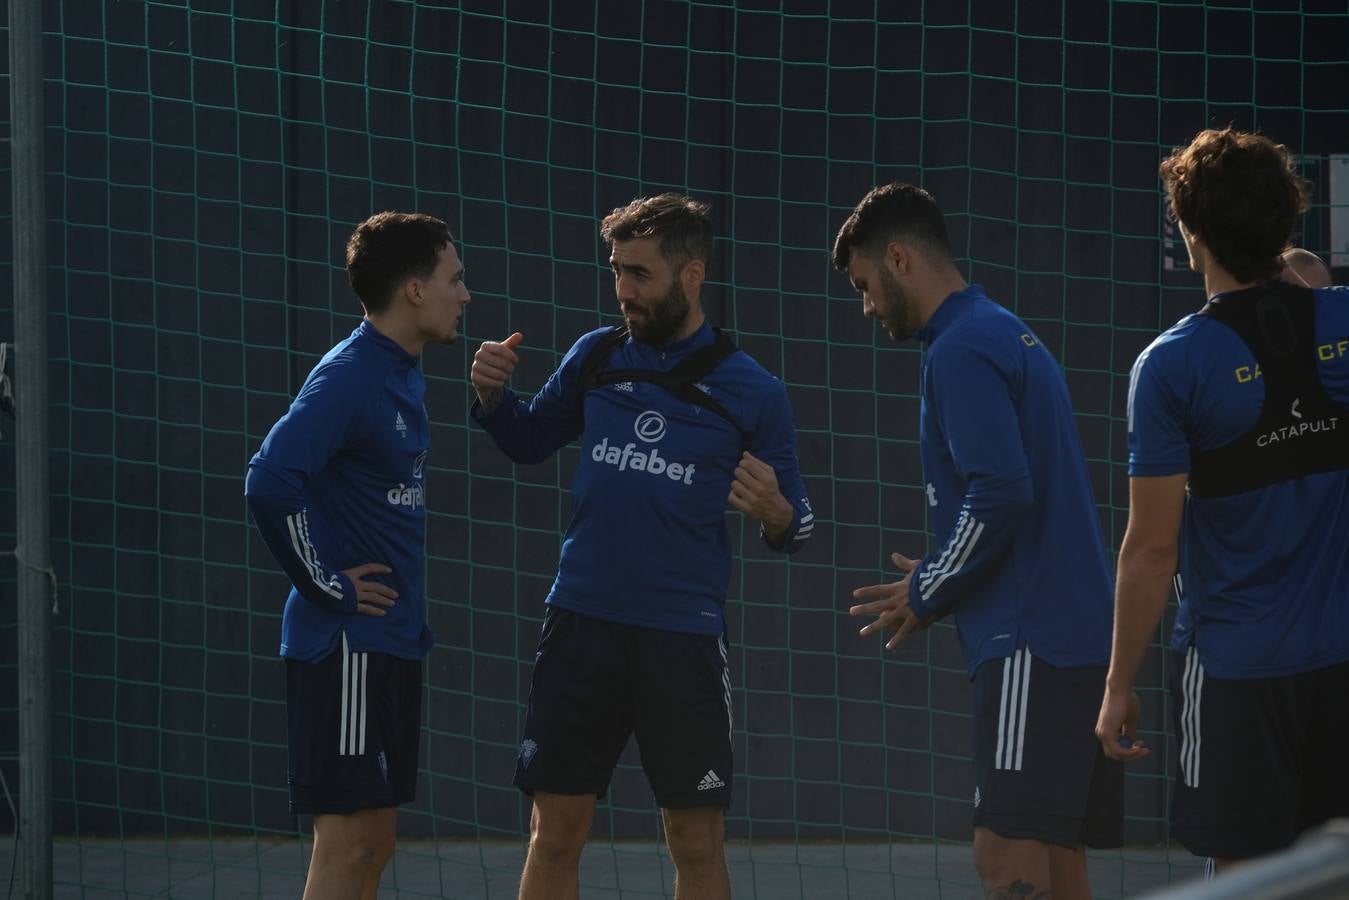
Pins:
x,y
354,854
696,844
556,840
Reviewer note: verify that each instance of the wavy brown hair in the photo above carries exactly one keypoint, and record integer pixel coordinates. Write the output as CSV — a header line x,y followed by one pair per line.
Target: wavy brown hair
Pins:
x,y
681,225
1238,193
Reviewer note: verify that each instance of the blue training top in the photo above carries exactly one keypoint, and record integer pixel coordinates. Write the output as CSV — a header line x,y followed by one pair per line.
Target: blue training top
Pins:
x,y
1020,559
1264,571
647,543
339,482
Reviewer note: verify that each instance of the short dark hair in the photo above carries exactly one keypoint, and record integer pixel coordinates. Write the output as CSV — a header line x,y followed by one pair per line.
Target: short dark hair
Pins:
x,y
682,225
889,212
387,249
1239,193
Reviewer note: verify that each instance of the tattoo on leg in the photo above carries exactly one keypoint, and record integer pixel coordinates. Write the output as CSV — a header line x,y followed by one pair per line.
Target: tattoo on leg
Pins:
x,y
1017,890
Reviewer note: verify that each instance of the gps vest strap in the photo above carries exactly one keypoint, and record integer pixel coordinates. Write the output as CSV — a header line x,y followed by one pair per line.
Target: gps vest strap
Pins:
x,y
1302,430
681,380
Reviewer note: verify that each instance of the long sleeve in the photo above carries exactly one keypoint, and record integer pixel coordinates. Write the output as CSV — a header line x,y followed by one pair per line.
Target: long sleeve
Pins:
x,y
320,421
529,432
774,443
974,404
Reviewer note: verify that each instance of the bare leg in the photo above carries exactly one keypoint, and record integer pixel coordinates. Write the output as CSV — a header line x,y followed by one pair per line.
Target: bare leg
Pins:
x,y
557,835
697,839
1068,873
350,852
1012,869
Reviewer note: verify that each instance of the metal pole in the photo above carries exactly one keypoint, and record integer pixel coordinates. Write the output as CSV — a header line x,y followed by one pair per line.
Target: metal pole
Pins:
x,y
1315,868
32,549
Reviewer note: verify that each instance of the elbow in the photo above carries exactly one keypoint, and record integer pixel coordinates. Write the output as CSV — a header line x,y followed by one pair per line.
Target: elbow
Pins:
x,y
1017,500
1151,556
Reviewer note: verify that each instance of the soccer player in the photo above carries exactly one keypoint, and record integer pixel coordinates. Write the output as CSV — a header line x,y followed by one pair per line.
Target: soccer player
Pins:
x,y
1305,268
338,493
1239,472
1020,560
674,422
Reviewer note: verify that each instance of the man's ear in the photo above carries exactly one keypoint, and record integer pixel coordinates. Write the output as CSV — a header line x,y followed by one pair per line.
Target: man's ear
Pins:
x,y
899,256
691,276
412,291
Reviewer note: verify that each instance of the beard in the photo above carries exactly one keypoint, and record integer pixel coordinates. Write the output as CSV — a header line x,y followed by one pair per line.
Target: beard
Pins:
x,y
659,324
894,312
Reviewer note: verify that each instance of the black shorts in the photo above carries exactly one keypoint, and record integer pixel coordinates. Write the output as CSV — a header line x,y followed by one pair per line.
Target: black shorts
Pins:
x,y
596,682
1261,759
354,725
1040,773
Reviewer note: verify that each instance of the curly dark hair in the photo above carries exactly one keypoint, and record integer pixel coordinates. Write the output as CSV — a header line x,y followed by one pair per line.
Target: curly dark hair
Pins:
x,y
682,225
1238,193
888,212
388,248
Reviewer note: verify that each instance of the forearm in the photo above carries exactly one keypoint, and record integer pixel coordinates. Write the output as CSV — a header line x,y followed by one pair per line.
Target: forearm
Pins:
x,y
1143,586
776,524
282,521
518,431
989,519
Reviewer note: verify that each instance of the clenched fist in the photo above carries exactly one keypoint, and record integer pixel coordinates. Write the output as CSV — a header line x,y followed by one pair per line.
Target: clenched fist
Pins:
x,y
492,367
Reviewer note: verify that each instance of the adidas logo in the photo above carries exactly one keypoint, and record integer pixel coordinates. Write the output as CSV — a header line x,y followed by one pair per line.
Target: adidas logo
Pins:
x,y
710,782
977,799
400,425
623,386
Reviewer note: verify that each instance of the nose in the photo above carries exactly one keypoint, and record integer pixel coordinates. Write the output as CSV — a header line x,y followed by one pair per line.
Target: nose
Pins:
x,y
624,289
868,308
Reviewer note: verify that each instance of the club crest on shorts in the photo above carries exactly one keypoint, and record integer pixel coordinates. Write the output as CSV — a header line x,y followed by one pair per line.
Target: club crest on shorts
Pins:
x,y
527,750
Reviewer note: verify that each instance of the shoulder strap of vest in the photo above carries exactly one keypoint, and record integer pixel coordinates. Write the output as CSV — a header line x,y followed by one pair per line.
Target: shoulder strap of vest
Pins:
x,y
598,357
692,368
681,380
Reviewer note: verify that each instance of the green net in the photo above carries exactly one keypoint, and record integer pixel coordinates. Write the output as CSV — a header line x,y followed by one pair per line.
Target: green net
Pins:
x,y
206,161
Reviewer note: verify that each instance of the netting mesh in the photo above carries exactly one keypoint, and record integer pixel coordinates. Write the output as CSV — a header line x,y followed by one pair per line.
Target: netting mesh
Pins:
x,y
206,161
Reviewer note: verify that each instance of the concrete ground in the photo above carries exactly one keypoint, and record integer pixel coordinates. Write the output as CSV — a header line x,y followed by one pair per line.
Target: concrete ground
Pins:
x,y
233,869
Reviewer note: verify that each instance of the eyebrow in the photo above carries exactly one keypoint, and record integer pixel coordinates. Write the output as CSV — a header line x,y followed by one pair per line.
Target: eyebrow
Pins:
x,y
634,268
